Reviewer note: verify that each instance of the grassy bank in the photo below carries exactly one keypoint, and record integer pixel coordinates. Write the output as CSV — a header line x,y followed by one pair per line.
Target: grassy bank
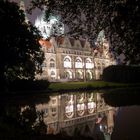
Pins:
x,y
87,85
72,86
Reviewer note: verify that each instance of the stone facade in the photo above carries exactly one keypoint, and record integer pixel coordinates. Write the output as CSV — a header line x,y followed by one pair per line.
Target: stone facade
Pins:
x,y
69,59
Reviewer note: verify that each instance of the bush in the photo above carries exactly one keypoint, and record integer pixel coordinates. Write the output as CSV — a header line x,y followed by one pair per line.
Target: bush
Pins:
x,y
28,85
123,74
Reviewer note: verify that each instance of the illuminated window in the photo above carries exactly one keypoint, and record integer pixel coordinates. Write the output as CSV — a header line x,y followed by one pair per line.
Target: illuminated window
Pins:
x,y
67,62
78,63
52,73
68,74
79,75
89,64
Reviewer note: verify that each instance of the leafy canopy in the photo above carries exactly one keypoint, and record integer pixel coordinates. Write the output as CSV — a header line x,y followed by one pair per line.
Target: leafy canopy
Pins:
x,y
20,55
118,18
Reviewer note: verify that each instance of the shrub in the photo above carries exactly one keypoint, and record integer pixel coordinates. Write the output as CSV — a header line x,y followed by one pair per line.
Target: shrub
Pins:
x,y
123,74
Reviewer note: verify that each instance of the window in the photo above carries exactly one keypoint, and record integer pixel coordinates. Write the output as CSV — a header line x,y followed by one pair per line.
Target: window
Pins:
x,y
53,110
78,63
52,73
67,63
89,63
52,63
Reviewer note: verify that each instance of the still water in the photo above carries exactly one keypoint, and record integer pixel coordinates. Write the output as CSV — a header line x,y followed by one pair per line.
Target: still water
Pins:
x,y
76,113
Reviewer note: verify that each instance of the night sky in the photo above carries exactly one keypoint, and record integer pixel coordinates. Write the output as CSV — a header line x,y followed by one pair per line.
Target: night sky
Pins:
x,y
35,12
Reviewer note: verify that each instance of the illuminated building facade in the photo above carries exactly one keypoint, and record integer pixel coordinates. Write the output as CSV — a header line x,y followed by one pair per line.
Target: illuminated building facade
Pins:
x,y
69,59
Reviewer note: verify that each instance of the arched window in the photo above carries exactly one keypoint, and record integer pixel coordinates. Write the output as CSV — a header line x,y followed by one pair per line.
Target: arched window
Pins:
x,y
79,75
52,73
67,62
88,75
68,74
89,63
52,63
78,63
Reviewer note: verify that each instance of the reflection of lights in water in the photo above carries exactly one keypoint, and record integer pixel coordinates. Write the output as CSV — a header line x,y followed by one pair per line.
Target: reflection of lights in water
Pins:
x,y
103,128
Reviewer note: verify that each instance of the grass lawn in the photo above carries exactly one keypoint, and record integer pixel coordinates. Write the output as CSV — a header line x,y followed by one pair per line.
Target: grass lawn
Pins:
x,y
86,85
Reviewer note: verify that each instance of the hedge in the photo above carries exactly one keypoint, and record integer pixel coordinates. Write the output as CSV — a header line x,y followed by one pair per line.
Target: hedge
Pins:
x,y
121,73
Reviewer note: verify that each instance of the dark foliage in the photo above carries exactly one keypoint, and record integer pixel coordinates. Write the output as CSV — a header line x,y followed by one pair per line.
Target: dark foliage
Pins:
x,y
86,18
28,85
123,74
21,125
20,55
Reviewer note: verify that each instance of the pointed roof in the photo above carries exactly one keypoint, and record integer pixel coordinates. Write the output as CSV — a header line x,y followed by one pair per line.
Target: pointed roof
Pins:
x,y
72,41
82,42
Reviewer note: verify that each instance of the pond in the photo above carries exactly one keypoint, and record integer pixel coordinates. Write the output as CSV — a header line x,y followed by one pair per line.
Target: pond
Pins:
x,y
127,123
70,114
127,120
83,115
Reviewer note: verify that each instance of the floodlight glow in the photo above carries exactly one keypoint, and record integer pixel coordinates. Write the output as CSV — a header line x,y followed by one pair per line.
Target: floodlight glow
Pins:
x,y
51,27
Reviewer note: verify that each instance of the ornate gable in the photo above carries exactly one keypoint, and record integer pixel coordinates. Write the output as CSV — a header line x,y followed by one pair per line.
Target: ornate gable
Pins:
x,y
63,42
87,45
77,44
67,43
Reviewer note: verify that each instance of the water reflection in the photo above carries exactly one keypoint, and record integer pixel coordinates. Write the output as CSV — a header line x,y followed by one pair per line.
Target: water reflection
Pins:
x,y
70,114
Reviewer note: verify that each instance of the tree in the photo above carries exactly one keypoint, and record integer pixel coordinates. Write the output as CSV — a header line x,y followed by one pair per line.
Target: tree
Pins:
x,y
118,18
20,56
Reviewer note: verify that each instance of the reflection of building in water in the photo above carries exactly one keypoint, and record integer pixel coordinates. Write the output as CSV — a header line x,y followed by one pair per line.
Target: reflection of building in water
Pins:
x,y
69,112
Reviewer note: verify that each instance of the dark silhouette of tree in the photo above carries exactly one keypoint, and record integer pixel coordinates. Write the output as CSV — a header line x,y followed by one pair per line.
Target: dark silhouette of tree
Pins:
x,y
20,123
118,18
20,56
